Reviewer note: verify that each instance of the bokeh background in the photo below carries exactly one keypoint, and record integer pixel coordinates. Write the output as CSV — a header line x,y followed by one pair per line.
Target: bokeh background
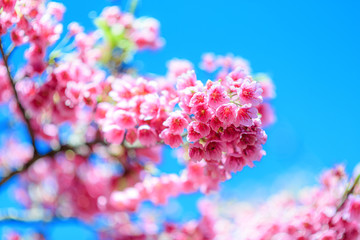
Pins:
x,y
311,49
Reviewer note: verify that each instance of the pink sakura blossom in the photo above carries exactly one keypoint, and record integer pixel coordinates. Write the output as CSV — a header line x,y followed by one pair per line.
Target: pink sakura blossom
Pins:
x,y
208,62
185,80
74,28
113,133
146,135
196,152
171,139
131,135
268,87
177,67
176,122
217,96
235,163
245,115
237,75
267,114
213,151
202,113
192,135
250,92
197,99
124,119
202,128
146,34
56,9
215,123
226,113
353,208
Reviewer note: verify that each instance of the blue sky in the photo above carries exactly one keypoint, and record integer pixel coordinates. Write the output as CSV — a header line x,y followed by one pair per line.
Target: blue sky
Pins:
x,y
311,50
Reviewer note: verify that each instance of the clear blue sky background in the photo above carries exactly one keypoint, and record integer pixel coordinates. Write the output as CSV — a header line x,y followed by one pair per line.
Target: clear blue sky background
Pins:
x,y
310,48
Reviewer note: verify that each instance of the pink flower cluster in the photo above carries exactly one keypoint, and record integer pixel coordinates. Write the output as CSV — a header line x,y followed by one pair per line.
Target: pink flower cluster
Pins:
x,y
143,32
141,108
314,215
224,127
37,25
223,65
104,124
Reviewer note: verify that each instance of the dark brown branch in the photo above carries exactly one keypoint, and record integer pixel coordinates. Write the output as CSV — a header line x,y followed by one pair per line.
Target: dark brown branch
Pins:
x,y
20,106
37,156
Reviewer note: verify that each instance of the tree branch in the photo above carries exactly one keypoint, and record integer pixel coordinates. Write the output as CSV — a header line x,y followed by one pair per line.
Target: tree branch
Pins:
x,y
20,106
26,216
37,156
349,190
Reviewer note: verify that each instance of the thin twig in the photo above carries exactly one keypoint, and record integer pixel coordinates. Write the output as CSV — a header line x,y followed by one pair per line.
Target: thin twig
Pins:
x,y
26,216
22,109
347,193
10,50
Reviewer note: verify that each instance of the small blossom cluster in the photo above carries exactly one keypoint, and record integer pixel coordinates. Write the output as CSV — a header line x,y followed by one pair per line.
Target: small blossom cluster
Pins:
x,y
223,65
143,32
15,235
32,22
224,126
316,214
141,108
158,190
69,185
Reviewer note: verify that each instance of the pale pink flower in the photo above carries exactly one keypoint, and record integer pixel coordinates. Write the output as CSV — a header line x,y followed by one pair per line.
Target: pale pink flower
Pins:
x,y
250,92
176,122
226,113
268,88
213,151
267,114
236,75
192,135
196,152
131,135
217,96
125,119
197,99
353,208
215,123
176,67
147,135
74,28
245,115
173,140
185,80
234,162
208,62
56,9
201,128
151,107
202,113
113,134
230,134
